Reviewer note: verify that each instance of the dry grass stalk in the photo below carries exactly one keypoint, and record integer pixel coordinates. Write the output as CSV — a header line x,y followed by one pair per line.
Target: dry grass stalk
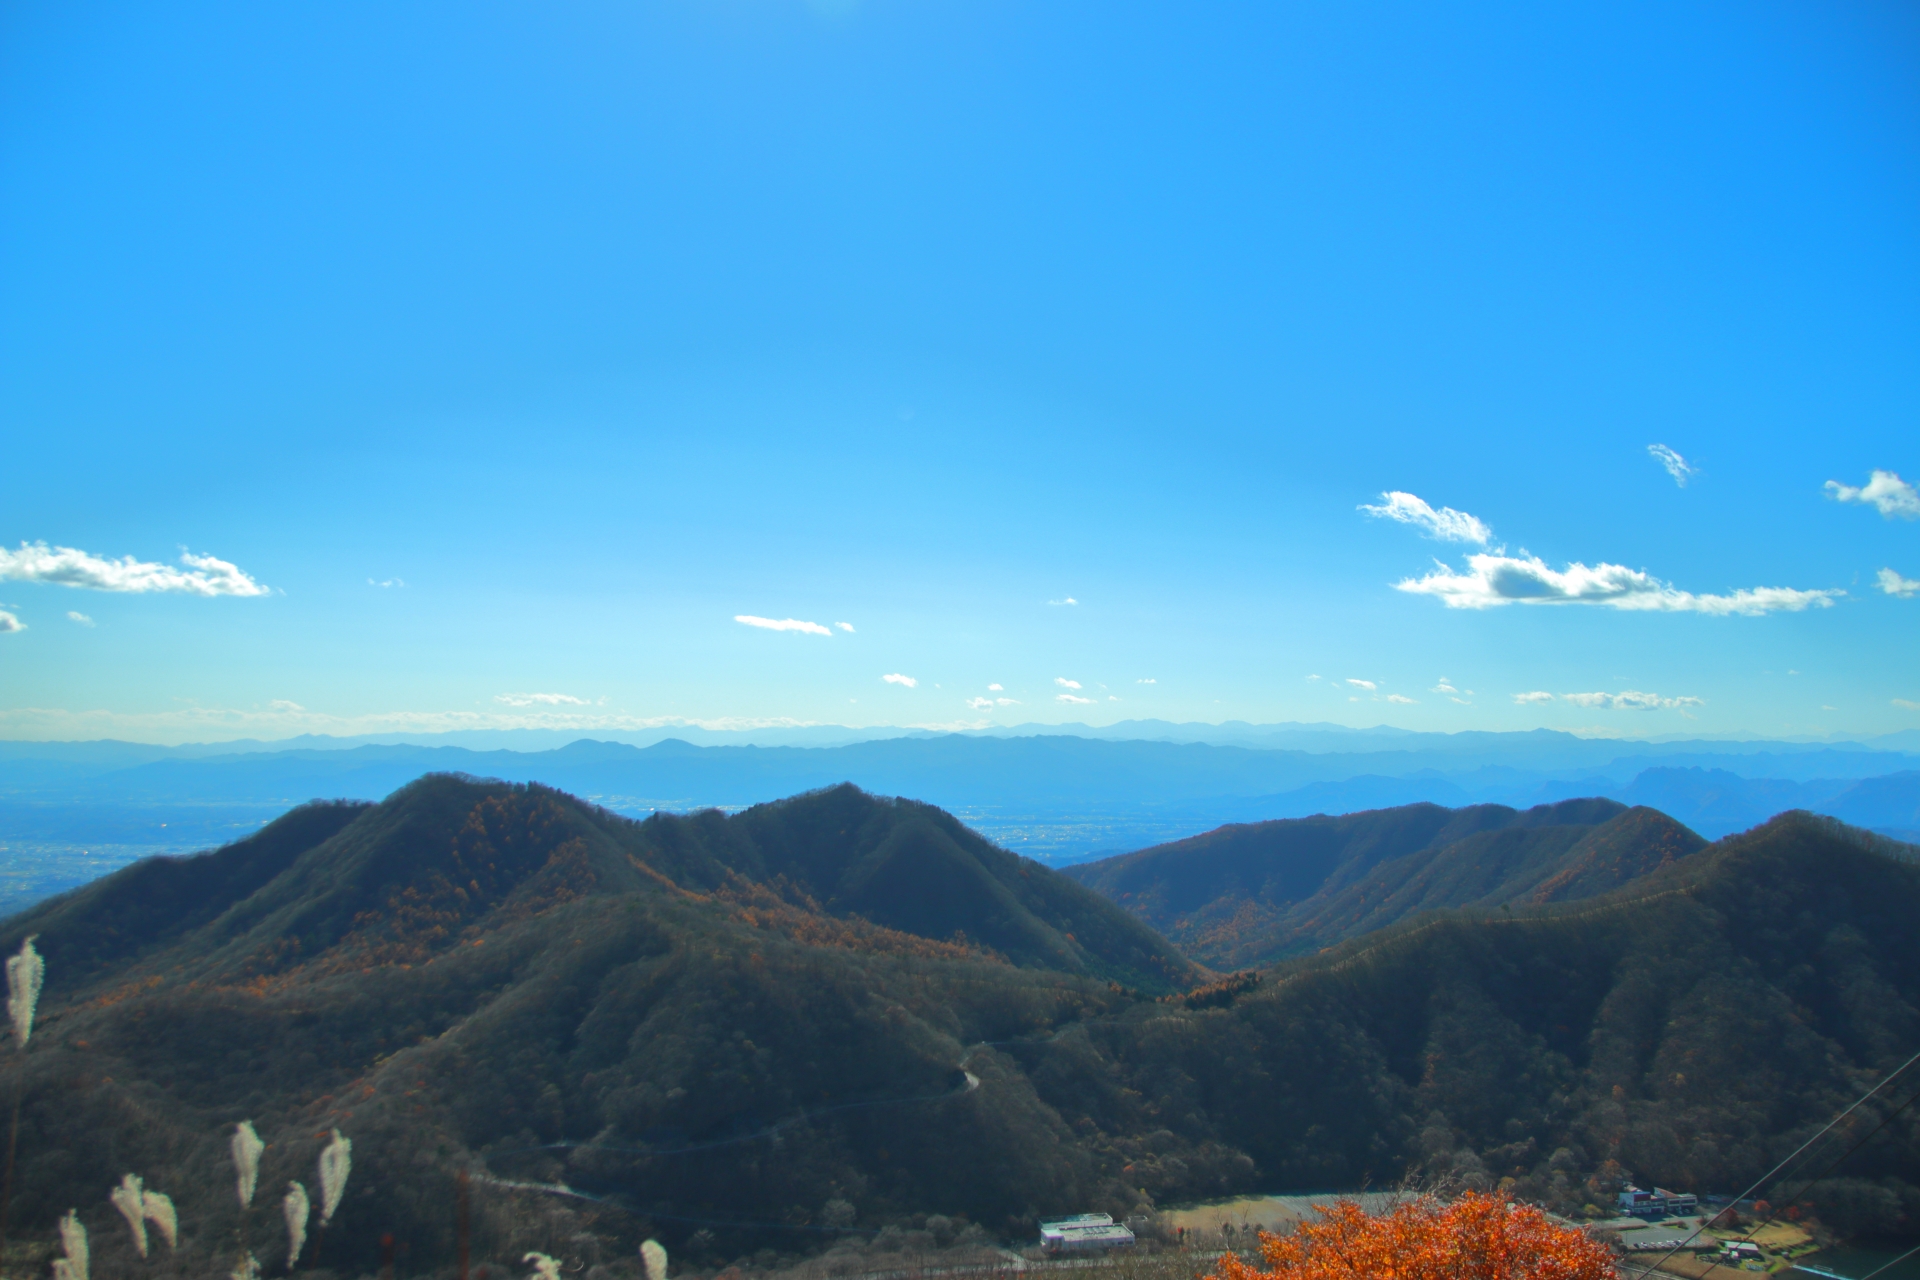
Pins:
x,y
127,1199
158,1209
336,1162
654,1256
26,973
73,1238
249,1269
246,1160
544,1267
297,1209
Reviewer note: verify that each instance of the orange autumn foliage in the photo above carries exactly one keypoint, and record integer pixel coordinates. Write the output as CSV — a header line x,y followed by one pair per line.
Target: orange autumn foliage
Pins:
x,y
1477,1237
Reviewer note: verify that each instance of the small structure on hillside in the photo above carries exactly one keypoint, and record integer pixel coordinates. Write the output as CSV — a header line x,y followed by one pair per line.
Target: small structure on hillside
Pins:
x,y
1084,1233
1657,1203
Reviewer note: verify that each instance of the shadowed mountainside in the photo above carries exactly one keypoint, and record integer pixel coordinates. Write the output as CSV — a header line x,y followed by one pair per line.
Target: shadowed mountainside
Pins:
x,y
726,1032
1250,894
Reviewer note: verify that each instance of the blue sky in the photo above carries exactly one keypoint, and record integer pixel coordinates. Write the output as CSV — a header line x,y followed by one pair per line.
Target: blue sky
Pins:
x,y
1039,343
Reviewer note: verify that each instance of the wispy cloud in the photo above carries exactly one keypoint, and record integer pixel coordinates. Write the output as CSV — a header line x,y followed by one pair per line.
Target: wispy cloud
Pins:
x,y
1495,580
980,704
781,624
79,617
1884,491
1676,466
390,582
844,626
1895,585
1007,702
540,700
1065,600
1631,700
1538,695
896,678
70,567
1447,686
1068,697
994,688
1446,524
10,624
1148,680
1313,677
284,704
1368,685
1905,705
1065,683
1400,697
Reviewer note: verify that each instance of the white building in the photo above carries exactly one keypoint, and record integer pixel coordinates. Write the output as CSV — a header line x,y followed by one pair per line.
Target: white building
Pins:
x,y
1084,1232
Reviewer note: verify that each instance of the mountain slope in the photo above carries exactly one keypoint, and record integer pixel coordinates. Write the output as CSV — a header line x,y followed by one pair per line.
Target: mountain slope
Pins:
x,y
1247,895
684,1028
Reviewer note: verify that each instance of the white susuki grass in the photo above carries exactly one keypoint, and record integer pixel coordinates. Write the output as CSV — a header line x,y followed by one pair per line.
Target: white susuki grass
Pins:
x,y
127,1199
249,1269
336,1162
544,1268
25,974
158,1209
297,1209
246,1160
73,1238
654,1255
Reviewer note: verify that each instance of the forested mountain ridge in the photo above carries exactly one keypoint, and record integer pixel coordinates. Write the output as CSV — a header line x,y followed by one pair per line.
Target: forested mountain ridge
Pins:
x,y
664,1028
1254,893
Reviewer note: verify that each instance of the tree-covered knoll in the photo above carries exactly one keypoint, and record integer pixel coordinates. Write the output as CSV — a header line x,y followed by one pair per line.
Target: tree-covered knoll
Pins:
x,y
1252,894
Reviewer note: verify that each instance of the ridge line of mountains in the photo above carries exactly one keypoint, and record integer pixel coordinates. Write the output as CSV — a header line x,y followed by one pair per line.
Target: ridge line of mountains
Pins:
x,y
839,1013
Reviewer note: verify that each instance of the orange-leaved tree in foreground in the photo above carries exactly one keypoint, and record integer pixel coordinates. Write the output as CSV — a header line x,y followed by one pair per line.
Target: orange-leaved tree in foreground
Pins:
x,y
1477,1237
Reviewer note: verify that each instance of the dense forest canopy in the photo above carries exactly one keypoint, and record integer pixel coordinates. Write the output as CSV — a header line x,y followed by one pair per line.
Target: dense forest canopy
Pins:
x,y
836,1011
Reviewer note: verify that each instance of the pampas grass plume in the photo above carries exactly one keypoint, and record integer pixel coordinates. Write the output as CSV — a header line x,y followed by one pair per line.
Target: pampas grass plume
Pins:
x,y
654,1255
544,1268
297,1208
25,974
158,1209
249,1269
126,1198
73,1238
336,1162
246,1159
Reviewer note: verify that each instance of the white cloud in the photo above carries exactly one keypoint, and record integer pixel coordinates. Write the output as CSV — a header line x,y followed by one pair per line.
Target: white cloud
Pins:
x,y
79,617
782,624
1445,686
1007,702
1065,683
1462,701
390,582
1538,695
1446,524
994,688
69,567
1067,600
845,626
1494,580
1631,700
1067,697
897,678
1368,685
9,623
980,704
1112,698
540,700
1886,492
1148,680
1313,677
1906,705
1895,585
282,704
1399,697
1676,466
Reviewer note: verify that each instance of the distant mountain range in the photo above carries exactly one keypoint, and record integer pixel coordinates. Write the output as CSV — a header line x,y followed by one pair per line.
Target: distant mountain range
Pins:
x,y
1256,893
838,1014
